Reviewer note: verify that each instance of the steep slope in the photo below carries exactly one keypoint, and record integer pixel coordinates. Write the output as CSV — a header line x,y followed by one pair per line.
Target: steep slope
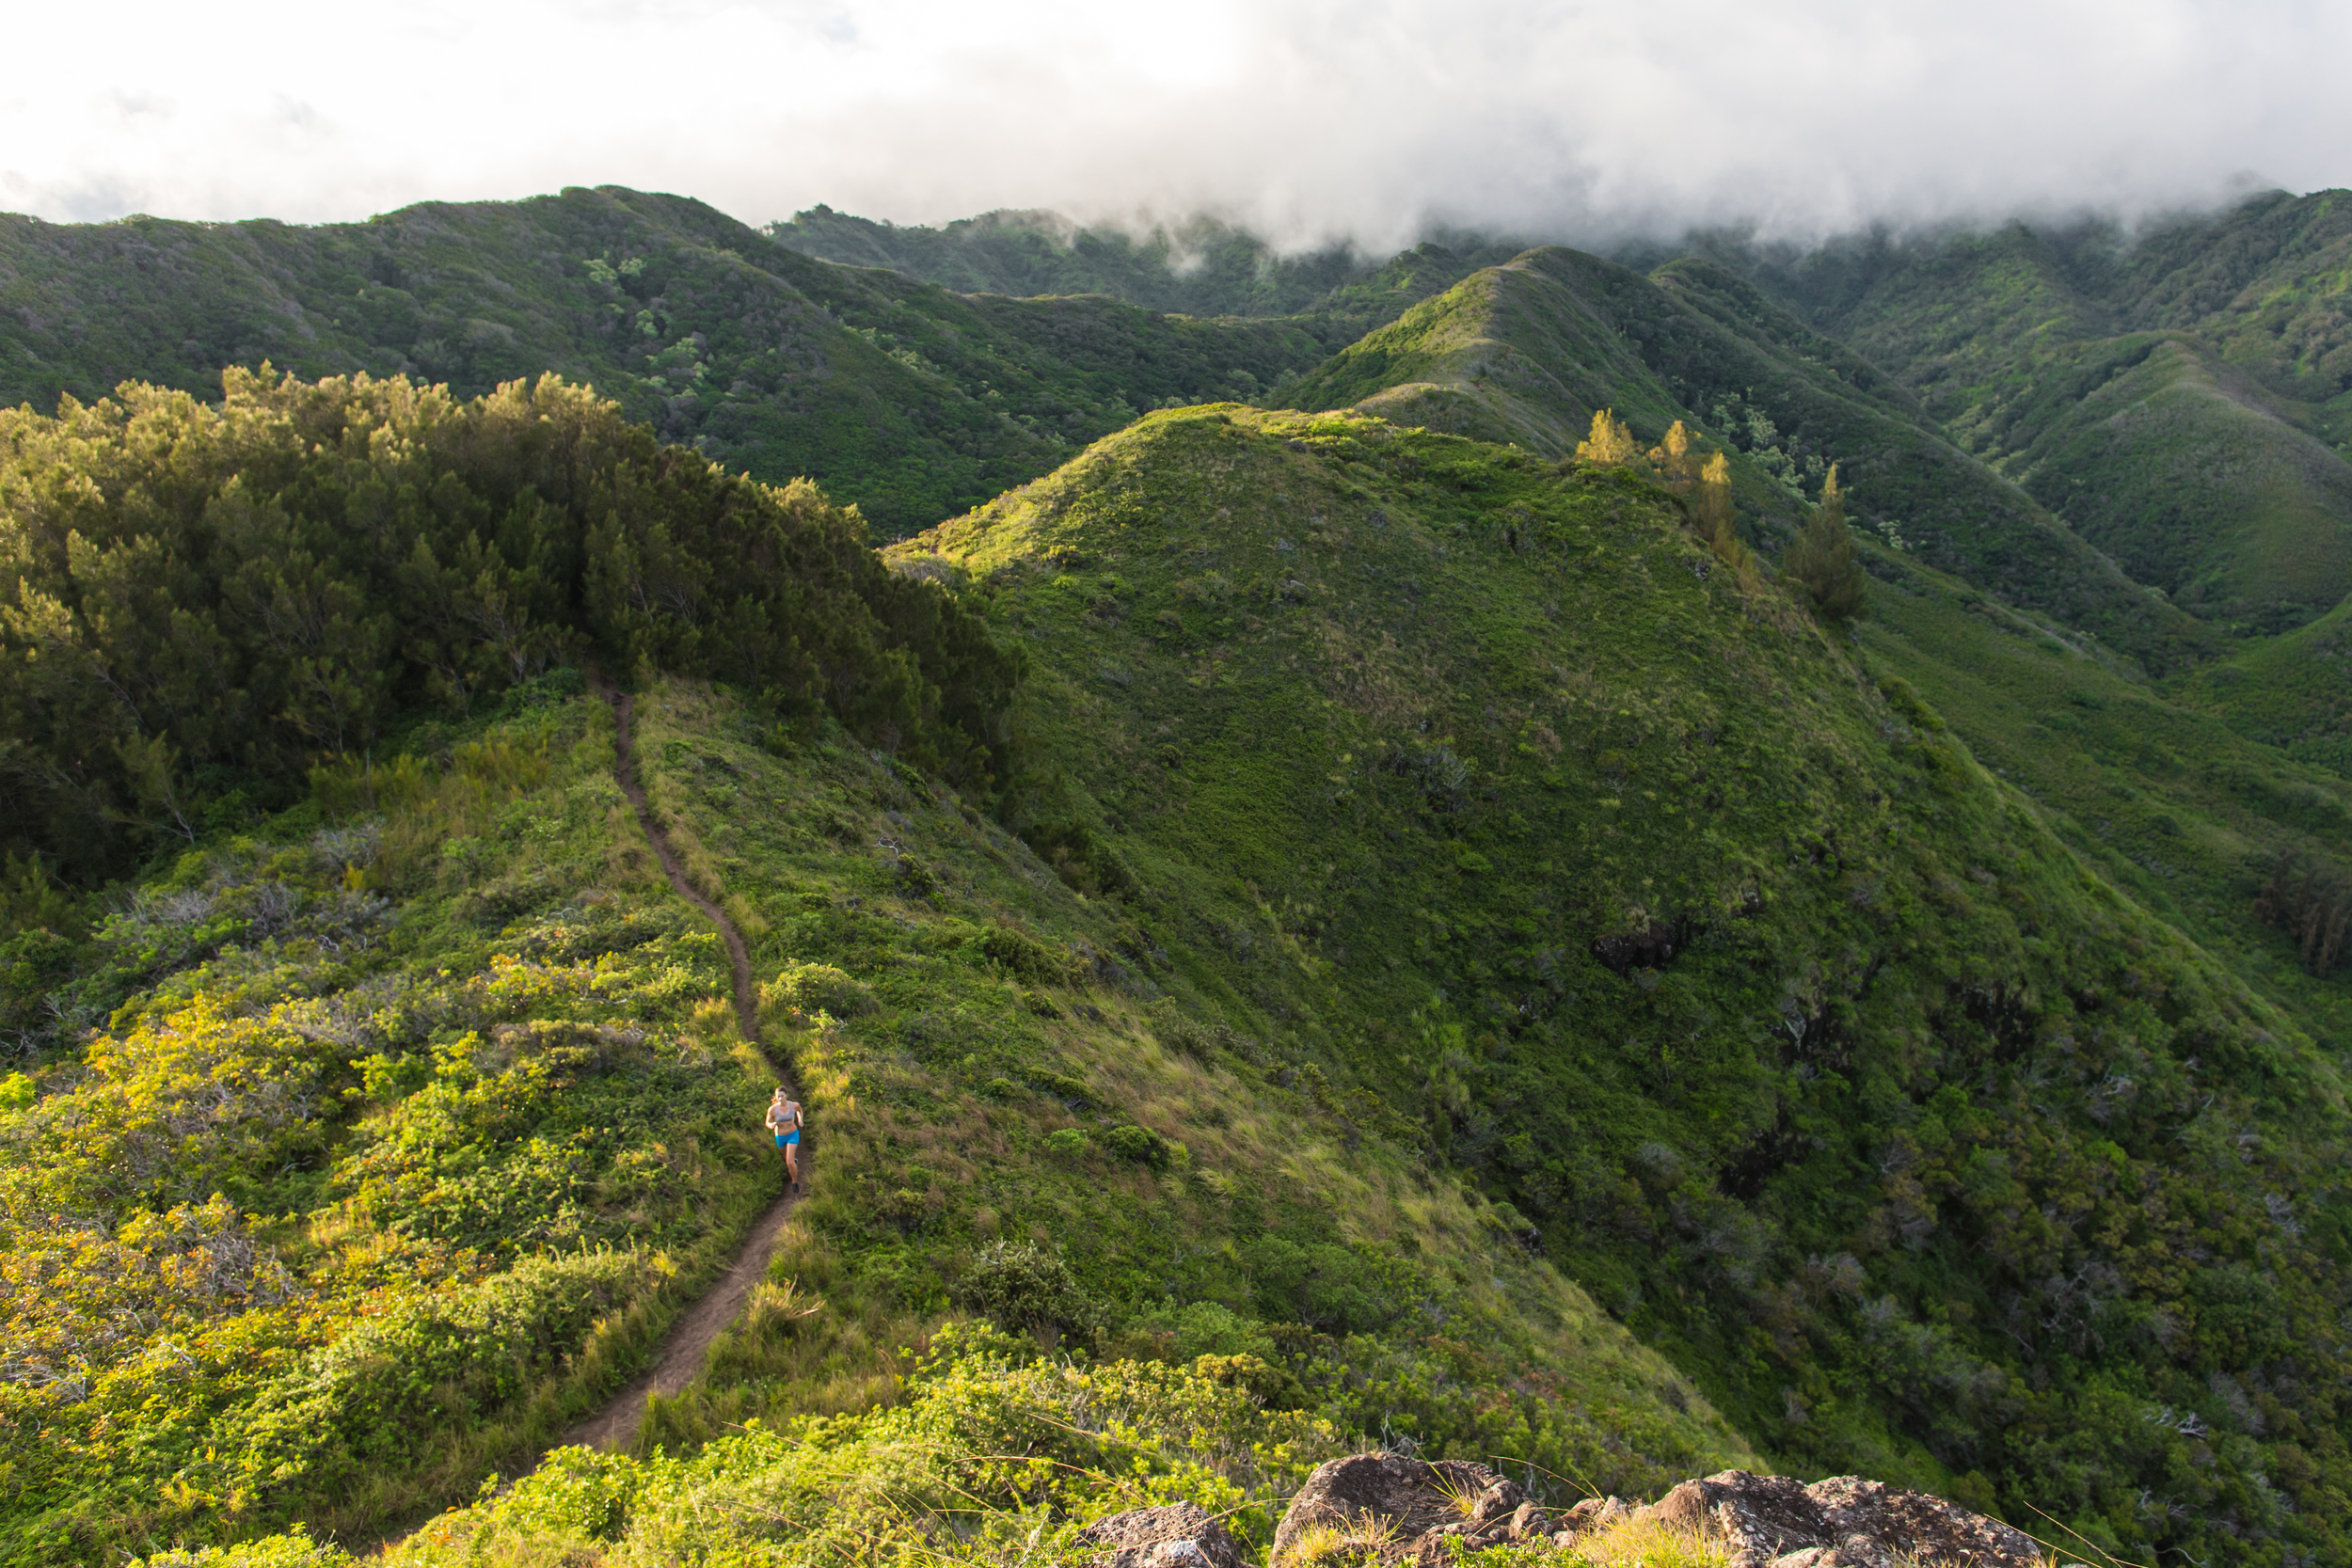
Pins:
x,y
2179,397
904,399
1426,899
2185,808
1525,352
2291,691
1802,1041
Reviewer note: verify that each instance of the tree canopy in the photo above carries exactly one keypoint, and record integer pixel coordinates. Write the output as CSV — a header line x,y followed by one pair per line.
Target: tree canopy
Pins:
x,y
198,601
1821,559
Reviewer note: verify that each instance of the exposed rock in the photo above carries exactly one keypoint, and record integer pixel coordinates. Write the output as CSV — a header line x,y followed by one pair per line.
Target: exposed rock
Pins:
x,y
1384,1508
1181,1535
1388,1509
1590,1515
1844,1521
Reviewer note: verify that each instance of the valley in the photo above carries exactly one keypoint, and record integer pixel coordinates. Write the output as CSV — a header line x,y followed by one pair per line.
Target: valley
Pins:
x,y
1313,904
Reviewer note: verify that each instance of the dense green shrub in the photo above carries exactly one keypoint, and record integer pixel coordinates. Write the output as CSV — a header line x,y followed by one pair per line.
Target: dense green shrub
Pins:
x,y
1138,1146
1027,1284
812,988
1025,956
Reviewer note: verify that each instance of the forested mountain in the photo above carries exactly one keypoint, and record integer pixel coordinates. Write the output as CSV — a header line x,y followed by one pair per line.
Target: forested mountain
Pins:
x,y
2033,642
1529,351
1384,902
907,401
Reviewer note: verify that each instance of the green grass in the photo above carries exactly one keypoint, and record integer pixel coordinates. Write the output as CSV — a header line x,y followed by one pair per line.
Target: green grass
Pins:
x,y
2185,808
404,1137
1445,950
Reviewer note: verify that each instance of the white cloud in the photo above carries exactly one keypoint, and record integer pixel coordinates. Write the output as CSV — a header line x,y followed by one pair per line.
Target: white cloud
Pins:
x,y
1308,117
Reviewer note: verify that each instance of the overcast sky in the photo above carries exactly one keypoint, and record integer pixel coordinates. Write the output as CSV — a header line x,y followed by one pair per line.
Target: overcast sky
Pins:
x,y
1307,119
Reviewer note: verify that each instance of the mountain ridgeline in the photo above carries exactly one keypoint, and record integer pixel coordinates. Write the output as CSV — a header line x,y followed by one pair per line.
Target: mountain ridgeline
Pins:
x,y
1320,876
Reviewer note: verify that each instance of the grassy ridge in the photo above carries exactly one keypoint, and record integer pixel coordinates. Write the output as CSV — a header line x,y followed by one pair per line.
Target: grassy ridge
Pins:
x,y
1779,1019
1012,1061
529,1130
1528,351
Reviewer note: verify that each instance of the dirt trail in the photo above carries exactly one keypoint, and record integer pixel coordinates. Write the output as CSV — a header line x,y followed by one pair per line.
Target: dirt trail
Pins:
x,y
681,1357
614,1427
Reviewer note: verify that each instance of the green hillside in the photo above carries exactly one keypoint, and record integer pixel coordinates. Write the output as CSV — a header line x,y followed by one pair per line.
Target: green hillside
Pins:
x,y
906,399
1734,975
2288,691
2181,800
1316,927
1527,351
2182,397
372,1131
2004,641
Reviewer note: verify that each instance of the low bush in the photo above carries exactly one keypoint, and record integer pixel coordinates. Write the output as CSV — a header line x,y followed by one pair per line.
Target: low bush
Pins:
x,y
812,988
1138,1146
1025,1285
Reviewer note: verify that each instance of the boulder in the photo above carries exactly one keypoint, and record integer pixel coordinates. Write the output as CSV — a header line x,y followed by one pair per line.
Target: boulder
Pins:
x,y
1388,1509
1845,1521
1181,1535
1591,1515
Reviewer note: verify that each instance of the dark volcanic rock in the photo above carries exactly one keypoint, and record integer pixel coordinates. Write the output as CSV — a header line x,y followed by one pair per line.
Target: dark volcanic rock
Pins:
x,y
1182,1536
1394,1510
1844,1521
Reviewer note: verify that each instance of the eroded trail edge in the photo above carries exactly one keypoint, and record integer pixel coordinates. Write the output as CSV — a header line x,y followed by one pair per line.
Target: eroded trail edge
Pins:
x,y
614,1426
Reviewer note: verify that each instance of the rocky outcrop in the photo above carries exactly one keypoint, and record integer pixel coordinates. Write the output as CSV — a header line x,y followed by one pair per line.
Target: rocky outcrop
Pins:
x,y
1844,1521
1385,1508
1181,1535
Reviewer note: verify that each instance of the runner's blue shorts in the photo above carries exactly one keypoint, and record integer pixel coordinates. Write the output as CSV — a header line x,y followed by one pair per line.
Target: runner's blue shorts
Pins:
x,y
784,1139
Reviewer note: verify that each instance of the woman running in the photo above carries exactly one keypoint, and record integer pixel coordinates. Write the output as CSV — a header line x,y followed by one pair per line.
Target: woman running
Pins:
x,y
783,1120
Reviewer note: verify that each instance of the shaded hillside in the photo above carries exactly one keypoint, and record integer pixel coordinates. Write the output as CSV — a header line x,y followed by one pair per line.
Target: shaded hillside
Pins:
x,y
901,398
2185,809
1201,266
2182,397
1526,352
2292,691
1803,1042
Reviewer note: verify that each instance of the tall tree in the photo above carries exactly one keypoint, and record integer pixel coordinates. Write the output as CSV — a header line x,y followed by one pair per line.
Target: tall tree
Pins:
x,y
1611,444
1675,463
1821,561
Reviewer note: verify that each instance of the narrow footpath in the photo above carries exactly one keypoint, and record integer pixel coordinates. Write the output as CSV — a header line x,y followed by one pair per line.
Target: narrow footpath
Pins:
x,y
614,1427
